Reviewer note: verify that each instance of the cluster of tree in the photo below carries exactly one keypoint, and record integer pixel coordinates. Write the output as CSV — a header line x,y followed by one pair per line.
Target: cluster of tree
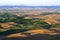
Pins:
x,y
47,13
23,24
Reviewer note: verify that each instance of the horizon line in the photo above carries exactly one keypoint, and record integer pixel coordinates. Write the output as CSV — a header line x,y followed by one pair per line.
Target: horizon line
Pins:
x,y
29,5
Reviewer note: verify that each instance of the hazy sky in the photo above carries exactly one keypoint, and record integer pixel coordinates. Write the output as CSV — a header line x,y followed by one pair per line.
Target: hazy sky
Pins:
x,y
30,2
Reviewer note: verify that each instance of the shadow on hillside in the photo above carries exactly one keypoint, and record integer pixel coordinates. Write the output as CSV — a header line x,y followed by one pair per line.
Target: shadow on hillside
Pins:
x,y
12,31
36,37
29,37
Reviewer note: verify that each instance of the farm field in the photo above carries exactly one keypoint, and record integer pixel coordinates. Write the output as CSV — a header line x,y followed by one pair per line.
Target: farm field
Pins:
x,y
29,24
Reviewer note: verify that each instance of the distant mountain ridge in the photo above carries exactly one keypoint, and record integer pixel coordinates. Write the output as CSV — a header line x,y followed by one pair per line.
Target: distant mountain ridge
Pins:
x,y
23,6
